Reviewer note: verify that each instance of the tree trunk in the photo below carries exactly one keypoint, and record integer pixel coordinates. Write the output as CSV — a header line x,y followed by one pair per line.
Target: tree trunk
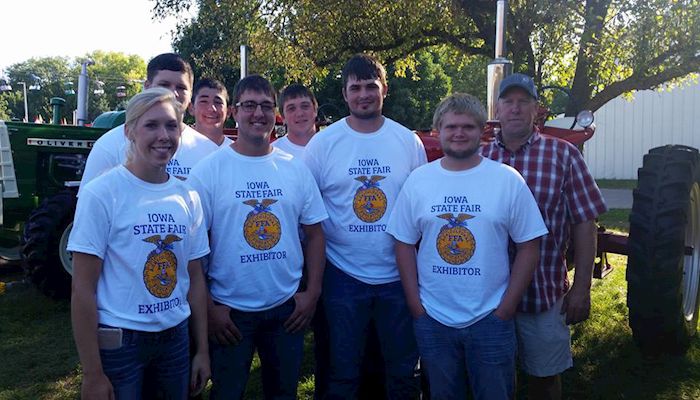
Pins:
x,y
581,89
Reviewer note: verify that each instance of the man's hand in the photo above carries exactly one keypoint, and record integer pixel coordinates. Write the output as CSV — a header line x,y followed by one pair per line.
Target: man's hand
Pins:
x,y
96,386
221,328
504,314
577,305
303,312
416,310
201,372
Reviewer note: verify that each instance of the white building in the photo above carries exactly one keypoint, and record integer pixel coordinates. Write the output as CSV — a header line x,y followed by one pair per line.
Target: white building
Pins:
x,y
626,130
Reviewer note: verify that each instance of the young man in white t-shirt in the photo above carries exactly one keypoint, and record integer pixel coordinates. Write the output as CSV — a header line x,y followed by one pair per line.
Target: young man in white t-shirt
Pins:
x,y
254,198
166,70
360,164
461,288
298,106
210,108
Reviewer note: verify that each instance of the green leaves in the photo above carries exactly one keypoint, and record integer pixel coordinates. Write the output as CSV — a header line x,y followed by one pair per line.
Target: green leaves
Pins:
x,y
600,48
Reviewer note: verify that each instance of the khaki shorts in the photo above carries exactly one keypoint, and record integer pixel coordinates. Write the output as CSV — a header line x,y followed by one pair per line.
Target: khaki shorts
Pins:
x,y
544,342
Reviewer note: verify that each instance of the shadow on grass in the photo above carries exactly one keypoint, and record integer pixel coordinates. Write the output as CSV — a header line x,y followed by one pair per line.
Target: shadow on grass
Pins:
x,y
39,360
305,390
615,369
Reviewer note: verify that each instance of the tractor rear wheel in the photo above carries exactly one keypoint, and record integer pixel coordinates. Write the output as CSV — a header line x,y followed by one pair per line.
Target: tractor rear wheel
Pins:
x,y
663,269
47,263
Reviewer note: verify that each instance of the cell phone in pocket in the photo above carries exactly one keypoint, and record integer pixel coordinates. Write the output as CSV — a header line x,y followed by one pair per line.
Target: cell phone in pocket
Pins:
x,y
109,338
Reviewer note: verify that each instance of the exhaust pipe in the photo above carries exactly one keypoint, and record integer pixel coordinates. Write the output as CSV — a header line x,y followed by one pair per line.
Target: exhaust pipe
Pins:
x,y
81,118
499,67
244,61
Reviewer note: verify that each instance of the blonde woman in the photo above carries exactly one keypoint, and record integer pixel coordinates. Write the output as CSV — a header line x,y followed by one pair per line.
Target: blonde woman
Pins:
x,y
136,243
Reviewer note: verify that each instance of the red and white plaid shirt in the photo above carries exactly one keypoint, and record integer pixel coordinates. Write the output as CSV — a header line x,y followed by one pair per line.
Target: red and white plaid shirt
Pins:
x,y
566,194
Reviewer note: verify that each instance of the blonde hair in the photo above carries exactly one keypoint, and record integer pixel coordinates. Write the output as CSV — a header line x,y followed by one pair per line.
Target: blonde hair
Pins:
x,y
142,102
460,103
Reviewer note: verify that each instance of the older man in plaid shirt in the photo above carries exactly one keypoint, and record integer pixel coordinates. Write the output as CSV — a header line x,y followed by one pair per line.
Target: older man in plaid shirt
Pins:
x,y
569,201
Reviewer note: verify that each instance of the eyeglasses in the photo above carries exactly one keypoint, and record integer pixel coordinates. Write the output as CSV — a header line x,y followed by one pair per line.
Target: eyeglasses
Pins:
x,y
251,106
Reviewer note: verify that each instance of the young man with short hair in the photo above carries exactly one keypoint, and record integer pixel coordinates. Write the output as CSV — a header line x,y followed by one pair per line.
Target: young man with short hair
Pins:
x,y
210,109
569,202
166,70
254,197
298,107
360,164
461,288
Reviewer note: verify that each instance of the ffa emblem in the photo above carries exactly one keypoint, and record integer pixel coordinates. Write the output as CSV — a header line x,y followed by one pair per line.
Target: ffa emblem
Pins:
x,y
160,271
455,243
369,202
261,229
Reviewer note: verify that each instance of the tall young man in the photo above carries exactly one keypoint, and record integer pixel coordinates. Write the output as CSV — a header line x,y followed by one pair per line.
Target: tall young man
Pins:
x,y
298,106
254,197
210,109
569,202
360,164
461,289
166,70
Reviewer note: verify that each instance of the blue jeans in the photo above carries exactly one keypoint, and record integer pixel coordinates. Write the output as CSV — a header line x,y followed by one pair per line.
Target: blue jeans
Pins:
x,y
350,305
157,362
280,355
484,351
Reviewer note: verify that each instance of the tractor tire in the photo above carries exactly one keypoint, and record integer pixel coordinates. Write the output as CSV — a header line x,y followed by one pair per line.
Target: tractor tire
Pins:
x,y
46,261
663,268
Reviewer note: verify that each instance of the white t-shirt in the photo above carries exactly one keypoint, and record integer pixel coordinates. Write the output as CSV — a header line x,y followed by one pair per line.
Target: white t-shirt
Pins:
x,y
360,175
463,220
145,234
111,150
252,207
287,146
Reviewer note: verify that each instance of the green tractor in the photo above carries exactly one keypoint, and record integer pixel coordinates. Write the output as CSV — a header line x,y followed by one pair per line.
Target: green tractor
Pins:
x,y
41,166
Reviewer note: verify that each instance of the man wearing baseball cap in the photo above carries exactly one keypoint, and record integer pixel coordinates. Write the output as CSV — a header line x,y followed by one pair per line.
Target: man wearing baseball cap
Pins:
x,y
569,201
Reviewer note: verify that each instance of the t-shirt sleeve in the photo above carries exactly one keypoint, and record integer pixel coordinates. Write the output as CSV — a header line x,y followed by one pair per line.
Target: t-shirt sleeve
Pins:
x,y
91,225
100,160
313,211
403,225
583,198
196,181
312,162
525,219
420,156
198,232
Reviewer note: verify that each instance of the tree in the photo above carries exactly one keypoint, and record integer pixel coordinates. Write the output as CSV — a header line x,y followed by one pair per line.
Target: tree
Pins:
x,y
414,93
111,70
4,112
49,77
44,78
599,48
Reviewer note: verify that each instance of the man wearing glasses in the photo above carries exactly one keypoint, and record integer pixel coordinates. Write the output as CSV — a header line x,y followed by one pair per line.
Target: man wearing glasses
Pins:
x,y
254,198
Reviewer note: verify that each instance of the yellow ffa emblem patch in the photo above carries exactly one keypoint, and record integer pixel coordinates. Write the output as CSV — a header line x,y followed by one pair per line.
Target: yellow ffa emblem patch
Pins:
x,y
160,271
261,229
369,202
455,243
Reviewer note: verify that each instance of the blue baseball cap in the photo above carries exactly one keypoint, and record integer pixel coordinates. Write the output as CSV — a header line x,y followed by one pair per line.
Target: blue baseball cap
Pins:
x,y
520,81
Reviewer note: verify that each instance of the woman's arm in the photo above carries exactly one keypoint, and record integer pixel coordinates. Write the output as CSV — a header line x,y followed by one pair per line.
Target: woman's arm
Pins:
x,y
86,272
197,297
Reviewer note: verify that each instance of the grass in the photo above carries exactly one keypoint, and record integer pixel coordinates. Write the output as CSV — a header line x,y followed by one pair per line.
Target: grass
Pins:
x,y
617,183
616,219
608,364
39,359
